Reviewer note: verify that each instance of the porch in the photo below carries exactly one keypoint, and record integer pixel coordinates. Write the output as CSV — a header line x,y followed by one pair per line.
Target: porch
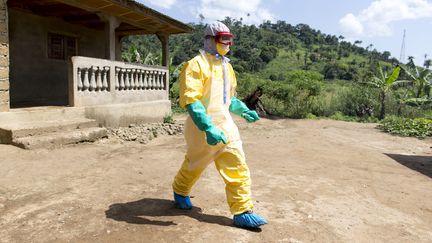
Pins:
x,y
65,56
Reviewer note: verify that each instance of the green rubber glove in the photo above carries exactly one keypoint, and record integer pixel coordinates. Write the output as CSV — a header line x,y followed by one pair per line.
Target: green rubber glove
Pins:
x,y
204,123
239,108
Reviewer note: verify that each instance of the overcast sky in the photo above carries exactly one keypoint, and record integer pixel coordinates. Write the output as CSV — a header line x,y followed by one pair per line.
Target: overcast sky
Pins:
x,y
377,22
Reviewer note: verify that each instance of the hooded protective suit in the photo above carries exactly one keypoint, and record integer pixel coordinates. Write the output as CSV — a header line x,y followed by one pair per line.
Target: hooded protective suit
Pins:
x,y
207,88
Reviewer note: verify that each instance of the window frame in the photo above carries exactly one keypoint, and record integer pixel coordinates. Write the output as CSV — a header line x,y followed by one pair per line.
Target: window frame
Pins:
x,y
63,43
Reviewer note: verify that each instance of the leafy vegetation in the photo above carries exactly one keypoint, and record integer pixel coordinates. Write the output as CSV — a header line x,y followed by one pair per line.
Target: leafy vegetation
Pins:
x,y
169,119
305,73
417,127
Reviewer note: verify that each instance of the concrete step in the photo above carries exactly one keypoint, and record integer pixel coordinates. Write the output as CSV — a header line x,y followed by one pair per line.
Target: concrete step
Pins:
x,y
25,129
56,139
43,113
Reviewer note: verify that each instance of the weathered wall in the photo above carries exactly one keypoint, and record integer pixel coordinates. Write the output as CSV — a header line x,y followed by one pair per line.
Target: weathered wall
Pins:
x,y
34,78
4,58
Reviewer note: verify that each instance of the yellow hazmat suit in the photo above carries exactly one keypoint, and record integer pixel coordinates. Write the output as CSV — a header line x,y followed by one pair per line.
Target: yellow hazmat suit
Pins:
x,y
202,78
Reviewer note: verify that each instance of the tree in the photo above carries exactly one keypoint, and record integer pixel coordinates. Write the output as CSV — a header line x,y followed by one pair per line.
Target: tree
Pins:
x,y
386,55
384,83
421,80
357,42
427,63
411,61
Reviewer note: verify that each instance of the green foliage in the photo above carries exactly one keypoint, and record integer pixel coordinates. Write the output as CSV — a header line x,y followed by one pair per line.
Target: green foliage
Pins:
x,y
384,83
142,49
304,72
357,101
417,127
341,117
311,116
291,97
173,82
169,119
422,80
176,109
255,47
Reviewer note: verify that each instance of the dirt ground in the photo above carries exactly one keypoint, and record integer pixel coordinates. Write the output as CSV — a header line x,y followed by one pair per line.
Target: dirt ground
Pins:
x,y
315,181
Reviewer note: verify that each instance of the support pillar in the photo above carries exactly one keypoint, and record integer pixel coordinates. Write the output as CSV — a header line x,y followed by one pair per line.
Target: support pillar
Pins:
x,y
111,23
164,39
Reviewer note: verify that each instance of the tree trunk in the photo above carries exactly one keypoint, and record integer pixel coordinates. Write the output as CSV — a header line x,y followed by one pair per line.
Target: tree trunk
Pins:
x,y
399,111
382,112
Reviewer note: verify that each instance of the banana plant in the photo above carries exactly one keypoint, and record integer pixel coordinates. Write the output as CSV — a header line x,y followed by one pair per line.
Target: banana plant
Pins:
x,y
151,59
385,83
422,80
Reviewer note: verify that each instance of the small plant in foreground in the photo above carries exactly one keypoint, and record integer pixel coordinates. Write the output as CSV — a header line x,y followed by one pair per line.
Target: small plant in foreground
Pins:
x,y
417,127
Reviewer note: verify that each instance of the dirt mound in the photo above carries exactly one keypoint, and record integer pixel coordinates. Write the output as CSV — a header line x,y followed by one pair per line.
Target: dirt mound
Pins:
x,y
143,133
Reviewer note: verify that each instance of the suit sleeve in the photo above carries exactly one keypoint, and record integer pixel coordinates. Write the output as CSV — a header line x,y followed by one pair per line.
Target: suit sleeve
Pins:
x,y
233,81
191,83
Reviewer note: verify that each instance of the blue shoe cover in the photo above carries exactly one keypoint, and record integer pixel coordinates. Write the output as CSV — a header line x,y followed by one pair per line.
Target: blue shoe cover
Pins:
x,y
182,202
249,220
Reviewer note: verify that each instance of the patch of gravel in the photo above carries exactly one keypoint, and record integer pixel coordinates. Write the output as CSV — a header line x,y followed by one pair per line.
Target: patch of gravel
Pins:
x,y
143,133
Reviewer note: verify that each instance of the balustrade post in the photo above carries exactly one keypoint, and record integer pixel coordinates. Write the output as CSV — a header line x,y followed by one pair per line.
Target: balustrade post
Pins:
x,y
79,80
92,79
86,83
105,78
117,77
123,78
145,79
152,79
98,75
134,79
140,79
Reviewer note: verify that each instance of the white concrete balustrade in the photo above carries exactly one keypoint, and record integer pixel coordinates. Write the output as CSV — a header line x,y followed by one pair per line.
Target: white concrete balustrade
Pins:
x,y
139,79
100,82
93,78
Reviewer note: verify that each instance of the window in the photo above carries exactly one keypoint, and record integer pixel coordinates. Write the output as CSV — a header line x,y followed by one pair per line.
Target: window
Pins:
x,y
61,47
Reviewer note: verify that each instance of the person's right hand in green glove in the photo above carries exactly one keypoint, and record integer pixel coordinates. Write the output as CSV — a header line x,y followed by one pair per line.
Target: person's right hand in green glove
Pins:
x,y
204,123
239,108
214,136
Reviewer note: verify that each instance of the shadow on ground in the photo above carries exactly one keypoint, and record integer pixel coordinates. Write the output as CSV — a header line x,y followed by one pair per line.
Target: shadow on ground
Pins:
x,y
136,212
422,164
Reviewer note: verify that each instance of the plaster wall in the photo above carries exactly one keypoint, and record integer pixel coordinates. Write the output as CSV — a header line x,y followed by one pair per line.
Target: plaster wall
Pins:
x,y
4,58
36,79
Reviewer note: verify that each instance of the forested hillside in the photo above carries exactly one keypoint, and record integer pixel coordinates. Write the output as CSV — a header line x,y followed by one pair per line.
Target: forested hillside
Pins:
x,y
304,72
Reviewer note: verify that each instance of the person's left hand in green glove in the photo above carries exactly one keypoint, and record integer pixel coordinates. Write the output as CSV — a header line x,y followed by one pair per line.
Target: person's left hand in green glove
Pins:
x,y
239,108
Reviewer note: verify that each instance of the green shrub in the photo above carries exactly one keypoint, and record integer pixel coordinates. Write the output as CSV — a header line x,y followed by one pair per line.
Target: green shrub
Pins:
x,y
288,98
168,119
176,109
357,100
311,116
349,99
339,116
175,90
417,127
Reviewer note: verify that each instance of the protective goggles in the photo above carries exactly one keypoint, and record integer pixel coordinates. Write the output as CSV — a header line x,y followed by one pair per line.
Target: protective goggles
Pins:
x,y
225,38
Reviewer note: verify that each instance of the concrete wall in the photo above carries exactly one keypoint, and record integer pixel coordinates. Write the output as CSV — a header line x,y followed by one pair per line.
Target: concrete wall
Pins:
x,y
4,58
106,115
120,115
34,78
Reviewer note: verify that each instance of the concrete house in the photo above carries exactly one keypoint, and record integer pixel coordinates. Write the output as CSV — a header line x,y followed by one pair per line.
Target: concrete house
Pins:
x,y
61,68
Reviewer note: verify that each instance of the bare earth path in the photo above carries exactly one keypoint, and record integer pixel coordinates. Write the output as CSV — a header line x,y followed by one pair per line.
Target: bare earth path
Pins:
x,y
315,181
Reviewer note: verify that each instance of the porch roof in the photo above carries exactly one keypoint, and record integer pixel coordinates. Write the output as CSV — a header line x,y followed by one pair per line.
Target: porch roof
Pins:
x,y
135,17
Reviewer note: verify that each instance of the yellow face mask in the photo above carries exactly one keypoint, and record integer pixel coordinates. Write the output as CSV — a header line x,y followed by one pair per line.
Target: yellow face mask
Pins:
x,y
222,49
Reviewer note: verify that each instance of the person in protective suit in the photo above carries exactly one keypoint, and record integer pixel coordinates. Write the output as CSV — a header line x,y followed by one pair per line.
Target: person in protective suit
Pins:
x,y
207,89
